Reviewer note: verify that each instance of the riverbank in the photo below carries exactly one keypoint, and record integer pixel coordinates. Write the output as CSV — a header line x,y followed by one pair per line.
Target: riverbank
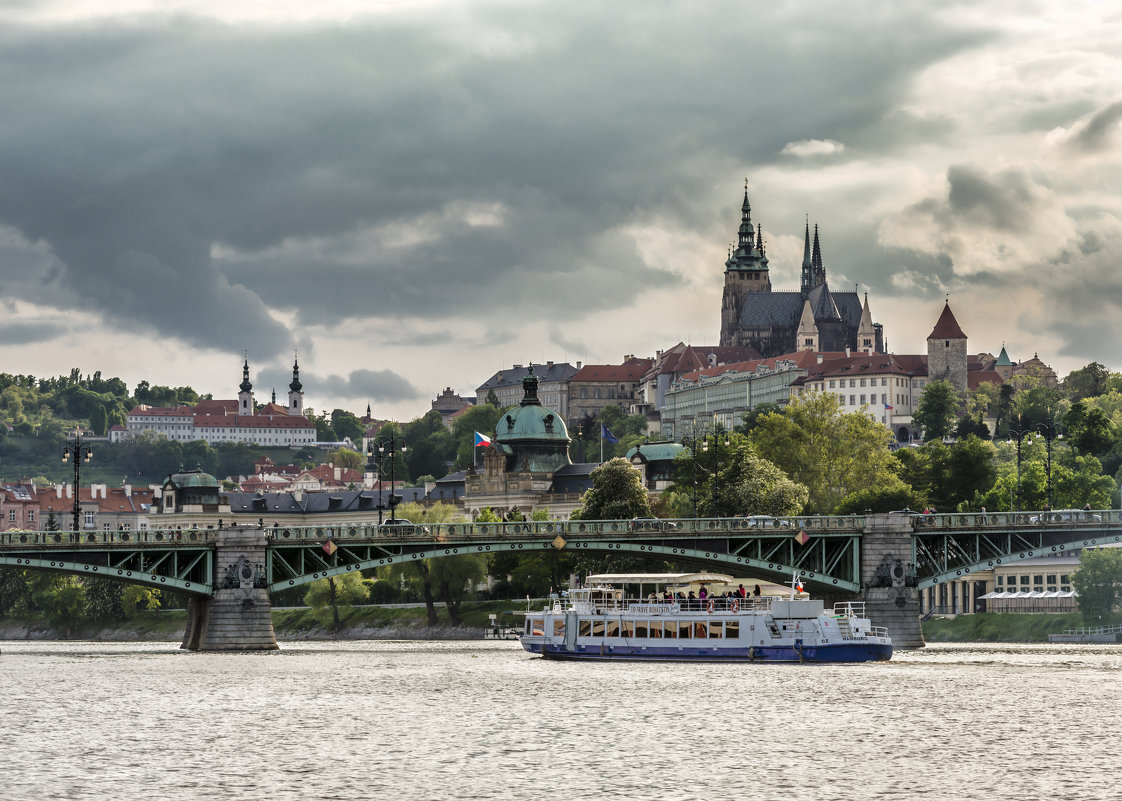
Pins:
x,y
298,623
411,623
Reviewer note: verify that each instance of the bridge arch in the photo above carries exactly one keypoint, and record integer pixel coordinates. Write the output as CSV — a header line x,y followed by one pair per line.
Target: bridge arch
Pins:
x,y
125,575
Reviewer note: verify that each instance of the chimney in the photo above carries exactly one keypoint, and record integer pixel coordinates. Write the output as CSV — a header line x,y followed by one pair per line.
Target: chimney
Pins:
x,y
128,490
549,364
69,491
58,490
820,358
338,473
847,351
578,365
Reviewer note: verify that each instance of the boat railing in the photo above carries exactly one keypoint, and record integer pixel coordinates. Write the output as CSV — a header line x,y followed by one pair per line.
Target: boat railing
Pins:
x,y
849,609
878,631
640,606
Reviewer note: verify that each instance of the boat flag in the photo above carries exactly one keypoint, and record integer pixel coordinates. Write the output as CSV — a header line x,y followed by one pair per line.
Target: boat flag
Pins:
x,y
798,584
802,537
607,435
482,441
330,547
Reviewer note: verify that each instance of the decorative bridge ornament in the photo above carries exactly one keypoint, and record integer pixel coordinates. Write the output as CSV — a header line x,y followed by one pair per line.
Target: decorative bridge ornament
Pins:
x,y
887,558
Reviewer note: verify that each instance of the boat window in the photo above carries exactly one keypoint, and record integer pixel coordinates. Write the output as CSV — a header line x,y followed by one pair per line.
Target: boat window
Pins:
x,y
627,628
732,629
699,629
656,629
536,625
597,628
685,629
716,629
585,628
559,628
612,629
671,630
640,628
528,628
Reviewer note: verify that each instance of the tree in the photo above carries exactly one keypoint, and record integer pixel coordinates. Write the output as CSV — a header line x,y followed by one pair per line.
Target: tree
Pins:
x,y
1098,580
63,600
483,419
1086,382
345,457
327,596
347,425
99,420
732,479
828,451
617,493
453,577
935,413
1089,430
971,426
103,599
492,399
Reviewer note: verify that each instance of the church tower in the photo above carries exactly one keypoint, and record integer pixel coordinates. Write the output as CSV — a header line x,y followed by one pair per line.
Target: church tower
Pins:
x,y
746,271
807,337
245,395
946,351
866,331
296,391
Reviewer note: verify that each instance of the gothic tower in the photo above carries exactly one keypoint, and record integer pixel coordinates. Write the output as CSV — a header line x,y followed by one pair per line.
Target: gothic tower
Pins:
x,y
746,271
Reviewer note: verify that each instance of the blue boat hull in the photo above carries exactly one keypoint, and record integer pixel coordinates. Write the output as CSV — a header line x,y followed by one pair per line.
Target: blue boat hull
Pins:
x,y
839,653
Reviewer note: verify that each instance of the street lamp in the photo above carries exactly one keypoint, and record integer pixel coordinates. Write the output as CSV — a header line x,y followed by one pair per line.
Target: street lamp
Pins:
x,y
377,452
716,467
1017,435
699,445
1049,431
77,450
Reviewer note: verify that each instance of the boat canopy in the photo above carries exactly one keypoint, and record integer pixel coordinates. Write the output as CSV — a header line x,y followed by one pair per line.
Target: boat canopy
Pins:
x,y
658,578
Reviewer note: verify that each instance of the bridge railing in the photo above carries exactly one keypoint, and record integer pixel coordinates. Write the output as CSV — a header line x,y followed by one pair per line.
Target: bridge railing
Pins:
x,y
65,539
1075,518
695,527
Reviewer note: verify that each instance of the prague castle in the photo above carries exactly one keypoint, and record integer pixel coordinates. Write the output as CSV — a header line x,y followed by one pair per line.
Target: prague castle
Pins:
x,y
774,323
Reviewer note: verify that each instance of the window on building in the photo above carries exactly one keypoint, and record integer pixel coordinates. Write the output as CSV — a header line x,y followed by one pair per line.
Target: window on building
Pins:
x,y
832,383
30,515
852,400
89,518
1051,582
1024,581
11,515
884,382
862,400
808,342
853,382
862,382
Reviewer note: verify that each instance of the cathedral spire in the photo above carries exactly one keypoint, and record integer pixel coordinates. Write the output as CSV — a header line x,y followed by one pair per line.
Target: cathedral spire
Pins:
x,y
295,386
817,269
245,385
808,271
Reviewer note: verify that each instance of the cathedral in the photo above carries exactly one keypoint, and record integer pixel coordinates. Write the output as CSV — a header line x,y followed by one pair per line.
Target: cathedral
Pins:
x,y
775,323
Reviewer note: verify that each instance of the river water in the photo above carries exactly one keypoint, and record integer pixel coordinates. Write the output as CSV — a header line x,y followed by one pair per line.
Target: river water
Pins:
x,y
484,720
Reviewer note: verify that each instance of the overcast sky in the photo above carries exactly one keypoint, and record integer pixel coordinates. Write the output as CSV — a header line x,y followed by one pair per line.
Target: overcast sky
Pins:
x,y
417,194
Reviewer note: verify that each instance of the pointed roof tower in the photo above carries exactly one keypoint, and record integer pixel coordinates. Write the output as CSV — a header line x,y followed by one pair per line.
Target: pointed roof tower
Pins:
x,y
947,326
1003,359
808,271
807,336
818,270
866,332
748,254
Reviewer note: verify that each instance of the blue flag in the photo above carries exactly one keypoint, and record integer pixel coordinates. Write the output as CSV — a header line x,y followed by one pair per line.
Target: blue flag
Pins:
x,y
607,435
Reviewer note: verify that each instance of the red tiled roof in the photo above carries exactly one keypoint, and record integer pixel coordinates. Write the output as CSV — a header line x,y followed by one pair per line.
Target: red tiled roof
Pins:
x,y
947,326
630,370
162,411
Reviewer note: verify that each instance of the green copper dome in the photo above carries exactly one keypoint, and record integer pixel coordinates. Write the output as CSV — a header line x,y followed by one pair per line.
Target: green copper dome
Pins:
x,y
194,478
533,436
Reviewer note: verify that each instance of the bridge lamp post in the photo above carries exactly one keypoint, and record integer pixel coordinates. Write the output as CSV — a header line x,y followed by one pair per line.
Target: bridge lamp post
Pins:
x,y
716,468
77,450
1017,435
377,452
1049,432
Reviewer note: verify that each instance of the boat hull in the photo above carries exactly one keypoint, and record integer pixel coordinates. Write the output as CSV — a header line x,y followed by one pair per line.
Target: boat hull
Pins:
x,y
848,652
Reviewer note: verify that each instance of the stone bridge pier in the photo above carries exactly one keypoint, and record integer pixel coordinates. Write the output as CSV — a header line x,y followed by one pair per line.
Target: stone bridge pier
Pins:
x,y
886,552
238,617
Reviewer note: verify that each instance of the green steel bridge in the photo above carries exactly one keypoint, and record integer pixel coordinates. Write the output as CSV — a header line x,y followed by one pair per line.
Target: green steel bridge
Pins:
x,y
944,547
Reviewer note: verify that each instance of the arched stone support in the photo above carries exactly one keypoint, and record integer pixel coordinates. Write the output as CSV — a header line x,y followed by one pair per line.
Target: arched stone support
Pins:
x,y
890,601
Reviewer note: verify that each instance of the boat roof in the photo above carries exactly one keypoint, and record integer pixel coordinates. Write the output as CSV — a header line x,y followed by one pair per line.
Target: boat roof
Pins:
x,y
657,578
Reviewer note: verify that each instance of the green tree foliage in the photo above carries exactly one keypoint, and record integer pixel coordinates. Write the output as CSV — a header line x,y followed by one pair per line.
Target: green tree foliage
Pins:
x,y
347,425
880,499
103,599
1098,580
63,599
454,578
831,453
617,493
949,476
936,411
332,597
135,596
492,399
432,446
1086,382
15,591
751,418
971,426
345,457
731,479
99,420
1089,430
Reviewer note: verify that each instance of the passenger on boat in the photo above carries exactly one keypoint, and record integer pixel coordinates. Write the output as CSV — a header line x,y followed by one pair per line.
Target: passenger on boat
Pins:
x,y
741,592
691,601
756,591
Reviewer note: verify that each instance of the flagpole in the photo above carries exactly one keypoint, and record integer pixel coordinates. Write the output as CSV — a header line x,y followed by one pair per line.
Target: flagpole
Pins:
x,y
601,443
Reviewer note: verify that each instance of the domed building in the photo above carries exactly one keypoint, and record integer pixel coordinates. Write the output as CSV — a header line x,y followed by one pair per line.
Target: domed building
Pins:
x,y
527,465
192,493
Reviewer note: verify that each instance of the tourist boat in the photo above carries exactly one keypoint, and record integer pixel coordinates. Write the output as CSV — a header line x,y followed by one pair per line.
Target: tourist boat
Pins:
x,y
599,622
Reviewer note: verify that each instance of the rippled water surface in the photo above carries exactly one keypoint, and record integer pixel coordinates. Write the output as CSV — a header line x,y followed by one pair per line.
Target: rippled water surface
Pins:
x,y
485,720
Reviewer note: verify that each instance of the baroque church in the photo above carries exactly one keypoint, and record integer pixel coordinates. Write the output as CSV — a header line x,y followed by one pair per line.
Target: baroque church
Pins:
x,y
775,323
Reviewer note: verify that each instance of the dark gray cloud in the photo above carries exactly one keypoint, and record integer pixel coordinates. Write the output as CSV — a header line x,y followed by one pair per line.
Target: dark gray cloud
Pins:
x,y
385,386
1100,128
340,170
27,333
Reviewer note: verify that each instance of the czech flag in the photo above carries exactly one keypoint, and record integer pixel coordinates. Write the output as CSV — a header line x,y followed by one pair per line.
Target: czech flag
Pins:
x,y
798,584
888,406
482,441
